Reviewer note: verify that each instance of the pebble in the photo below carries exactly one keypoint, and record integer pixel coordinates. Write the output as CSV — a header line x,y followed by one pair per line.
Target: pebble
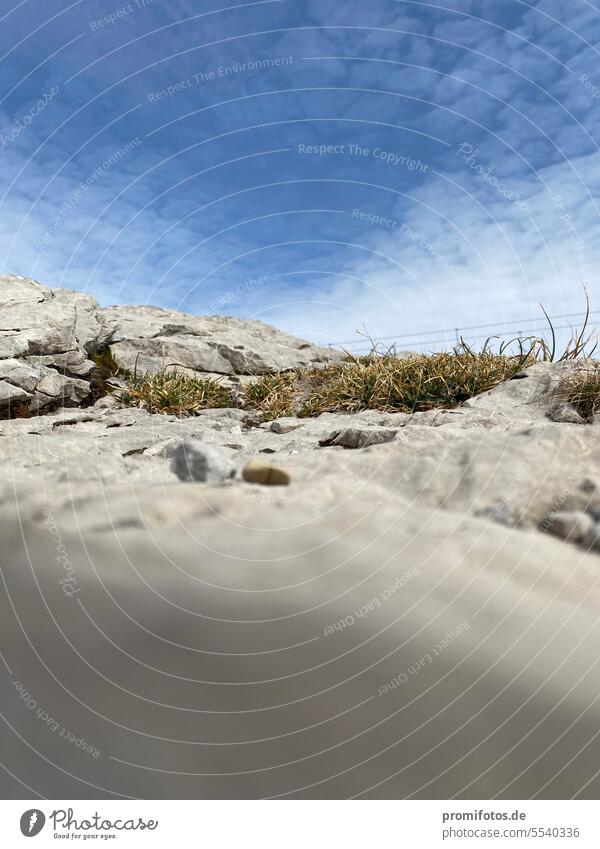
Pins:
x,y
256,471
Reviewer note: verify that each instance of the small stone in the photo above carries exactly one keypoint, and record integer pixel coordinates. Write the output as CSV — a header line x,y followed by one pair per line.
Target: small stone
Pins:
x,y
109,402
588,486
286,424
575,526
195,461
592,540
353,437
565,413
256,471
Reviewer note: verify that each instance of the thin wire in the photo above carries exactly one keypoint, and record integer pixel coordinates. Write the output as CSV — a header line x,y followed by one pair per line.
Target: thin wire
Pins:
x,y
458,330
448,339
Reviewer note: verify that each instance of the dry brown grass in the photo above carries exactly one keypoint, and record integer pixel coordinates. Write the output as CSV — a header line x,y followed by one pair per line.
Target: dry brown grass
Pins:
x,y
272,394
378,381
581,388
412,384
385,382
173,393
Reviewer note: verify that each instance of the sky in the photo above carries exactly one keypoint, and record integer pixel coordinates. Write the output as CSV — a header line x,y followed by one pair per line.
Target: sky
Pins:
x,y
395,170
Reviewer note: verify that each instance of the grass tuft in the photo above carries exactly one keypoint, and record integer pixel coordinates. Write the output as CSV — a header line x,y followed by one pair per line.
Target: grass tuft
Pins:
x,y
272,394
173,393
411,384
581,389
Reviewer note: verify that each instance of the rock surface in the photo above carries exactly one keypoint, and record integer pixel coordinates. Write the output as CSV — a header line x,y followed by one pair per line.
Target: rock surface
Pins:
x,y
400,620
151,337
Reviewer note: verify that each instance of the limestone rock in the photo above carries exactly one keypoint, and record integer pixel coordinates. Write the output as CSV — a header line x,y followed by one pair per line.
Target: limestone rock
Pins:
x,y
153,337
42,386
37,320
10,394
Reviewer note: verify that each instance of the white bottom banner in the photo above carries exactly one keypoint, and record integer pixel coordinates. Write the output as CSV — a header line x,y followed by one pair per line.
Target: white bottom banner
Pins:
x,y
301,824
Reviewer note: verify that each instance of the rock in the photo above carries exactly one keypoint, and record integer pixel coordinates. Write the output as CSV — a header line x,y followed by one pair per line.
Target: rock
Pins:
x,y
565,413
216,344
45,337
43,386
257,471
10,394
589,486
524,399
236,615
285,425
357,438
574,527
196,461
40,321
72,363
594,511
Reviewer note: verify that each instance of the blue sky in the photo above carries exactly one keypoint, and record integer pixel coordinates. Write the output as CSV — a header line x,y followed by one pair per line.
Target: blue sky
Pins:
x,y
396,167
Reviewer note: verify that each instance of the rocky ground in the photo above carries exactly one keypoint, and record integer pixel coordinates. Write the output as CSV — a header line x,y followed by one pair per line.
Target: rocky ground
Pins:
x,y
414,614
